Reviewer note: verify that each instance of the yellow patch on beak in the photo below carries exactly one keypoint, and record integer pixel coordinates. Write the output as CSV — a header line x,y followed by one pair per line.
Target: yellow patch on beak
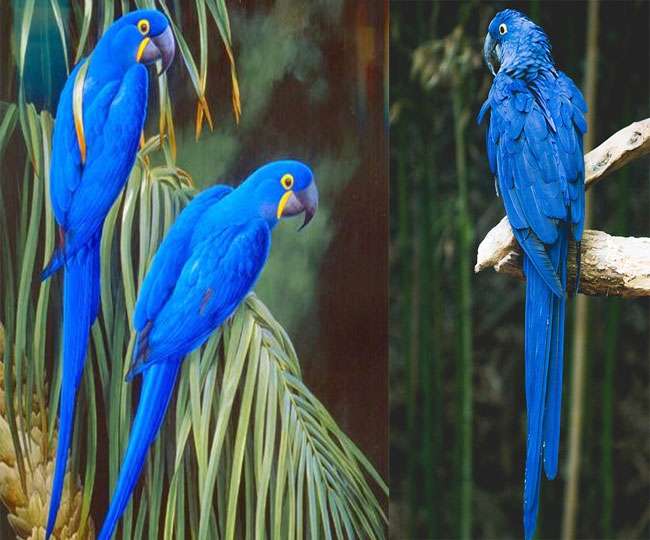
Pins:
x,y
283,203
141,48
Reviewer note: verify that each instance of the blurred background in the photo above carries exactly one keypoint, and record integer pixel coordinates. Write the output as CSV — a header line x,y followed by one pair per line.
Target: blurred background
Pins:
x,y
457,389
312,77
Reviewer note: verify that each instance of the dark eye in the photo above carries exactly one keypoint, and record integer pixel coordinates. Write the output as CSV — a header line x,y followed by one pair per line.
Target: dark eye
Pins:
x,y
143,26
287,181
503,29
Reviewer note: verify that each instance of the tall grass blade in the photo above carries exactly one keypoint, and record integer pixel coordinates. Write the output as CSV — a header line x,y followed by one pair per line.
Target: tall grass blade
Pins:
x,y
220,15
85,29
56,9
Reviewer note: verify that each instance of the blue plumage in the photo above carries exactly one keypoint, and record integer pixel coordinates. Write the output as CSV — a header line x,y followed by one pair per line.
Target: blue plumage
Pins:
x,y
92,157
534,146
207,263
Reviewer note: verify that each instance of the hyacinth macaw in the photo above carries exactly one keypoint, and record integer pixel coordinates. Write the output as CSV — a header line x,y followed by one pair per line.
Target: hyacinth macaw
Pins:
x,y
534,146
93,150
206,265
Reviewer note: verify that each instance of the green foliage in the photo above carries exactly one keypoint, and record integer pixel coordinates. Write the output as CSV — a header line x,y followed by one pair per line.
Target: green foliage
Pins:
x,y
247,450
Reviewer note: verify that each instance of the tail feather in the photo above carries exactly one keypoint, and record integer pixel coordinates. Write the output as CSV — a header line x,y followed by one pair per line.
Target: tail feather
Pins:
x,y
556,365
544,359
157,389
80,303
538,322
56,262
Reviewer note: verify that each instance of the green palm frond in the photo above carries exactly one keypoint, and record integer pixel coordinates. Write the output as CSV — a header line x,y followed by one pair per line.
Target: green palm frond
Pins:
x,y
247,450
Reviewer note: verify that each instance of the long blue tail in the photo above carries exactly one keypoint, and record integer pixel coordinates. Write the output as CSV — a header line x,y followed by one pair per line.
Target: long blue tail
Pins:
x,y
544,358
157,389
80,303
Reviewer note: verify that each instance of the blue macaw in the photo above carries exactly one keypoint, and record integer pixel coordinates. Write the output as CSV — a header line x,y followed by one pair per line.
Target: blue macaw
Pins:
x,y
534,146
93,150
206,265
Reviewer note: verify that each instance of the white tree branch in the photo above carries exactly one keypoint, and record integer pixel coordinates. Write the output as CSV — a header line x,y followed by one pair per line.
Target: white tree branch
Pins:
x,y
610,265
628,144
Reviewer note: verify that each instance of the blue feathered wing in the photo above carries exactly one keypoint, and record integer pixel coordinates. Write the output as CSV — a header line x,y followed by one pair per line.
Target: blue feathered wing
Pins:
x,y
113,118
173,253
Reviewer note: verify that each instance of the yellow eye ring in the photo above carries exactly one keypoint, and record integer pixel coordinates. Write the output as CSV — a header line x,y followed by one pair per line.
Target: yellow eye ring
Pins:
x,y
143,26
287,181
503,29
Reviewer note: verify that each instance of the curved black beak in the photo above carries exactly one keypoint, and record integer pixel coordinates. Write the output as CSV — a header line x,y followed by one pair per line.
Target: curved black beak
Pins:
x,y
303,201
490,54
161,47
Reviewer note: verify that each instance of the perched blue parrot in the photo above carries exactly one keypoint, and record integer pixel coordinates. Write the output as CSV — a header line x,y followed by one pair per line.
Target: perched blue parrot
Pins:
x,y
93,150
534,146
206,265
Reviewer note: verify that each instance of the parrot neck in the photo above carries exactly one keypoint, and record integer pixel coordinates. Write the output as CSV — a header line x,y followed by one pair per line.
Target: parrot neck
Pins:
x,y
238,208
530,58
256,203
106,68
110,60
529,71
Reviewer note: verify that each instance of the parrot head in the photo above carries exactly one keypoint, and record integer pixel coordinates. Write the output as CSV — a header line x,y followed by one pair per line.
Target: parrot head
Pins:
x,y
516,45
143,36
284,189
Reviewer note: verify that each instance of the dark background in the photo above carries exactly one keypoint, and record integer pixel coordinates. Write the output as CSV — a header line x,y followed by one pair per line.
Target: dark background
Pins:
x,y
432,375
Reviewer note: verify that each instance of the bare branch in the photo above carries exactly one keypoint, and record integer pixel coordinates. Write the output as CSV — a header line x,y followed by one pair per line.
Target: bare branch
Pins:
x,y
496,246
611,265
620,266
628,144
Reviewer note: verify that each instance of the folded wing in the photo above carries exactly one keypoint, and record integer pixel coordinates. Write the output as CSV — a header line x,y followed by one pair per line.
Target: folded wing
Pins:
x,y
221,269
